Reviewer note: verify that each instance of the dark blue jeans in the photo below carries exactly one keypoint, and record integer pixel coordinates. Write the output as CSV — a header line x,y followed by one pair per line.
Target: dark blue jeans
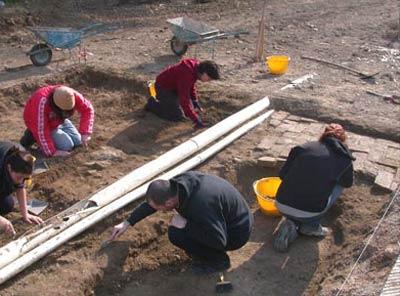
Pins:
x,y
196,249
6,205
314,222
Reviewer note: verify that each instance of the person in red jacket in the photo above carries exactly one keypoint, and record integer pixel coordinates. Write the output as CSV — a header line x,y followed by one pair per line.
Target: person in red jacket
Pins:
x,y
176,91
46,116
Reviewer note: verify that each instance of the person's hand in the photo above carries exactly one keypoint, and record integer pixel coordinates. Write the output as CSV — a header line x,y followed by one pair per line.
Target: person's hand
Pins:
x,y
199,124
178,221
32,219
197,106
6,226
118,230
85,140
62,153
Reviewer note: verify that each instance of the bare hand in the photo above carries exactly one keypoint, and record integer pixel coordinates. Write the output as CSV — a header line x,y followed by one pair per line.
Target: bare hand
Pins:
x,y
31,219
118,230
6,226
62,153
178,221
85,140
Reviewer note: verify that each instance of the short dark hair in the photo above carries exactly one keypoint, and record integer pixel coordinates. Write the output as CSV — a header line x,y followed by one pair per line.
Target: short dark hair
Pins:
x,y
20,161
210,68
159,191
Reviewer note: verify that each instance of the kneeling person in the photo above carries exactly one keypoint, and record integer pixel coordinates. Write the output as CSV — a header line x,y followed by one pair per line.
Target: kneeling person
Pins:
x,y
47,114
211,217
176,90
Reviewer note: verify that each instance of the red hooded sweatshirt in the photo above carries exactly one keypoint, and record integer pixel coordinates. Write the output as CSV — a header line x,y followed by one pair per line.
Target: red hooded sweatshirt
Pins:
x,y
41,119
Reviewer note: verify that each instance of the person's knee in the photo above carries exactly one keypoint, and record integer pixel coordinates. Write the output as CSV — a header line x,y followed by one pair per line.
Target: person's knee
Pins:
x,y
6,205
62,141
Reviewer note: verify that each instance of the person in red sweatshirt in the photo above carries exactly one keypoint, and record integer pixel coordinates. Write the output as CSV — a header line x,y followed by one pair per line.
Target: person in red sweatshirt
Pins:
x,y
46,116
176,91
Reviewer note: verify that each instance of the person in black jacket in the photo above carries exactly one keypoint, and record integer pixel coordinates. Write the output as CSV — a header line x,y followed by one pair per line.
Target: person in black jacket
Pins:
x,y
313,178
211,217
16,165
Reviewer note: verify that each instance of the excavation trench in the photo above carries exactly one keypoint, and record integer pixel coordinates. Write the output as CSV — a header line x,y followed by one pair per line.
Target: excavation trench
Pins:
x,y
143,261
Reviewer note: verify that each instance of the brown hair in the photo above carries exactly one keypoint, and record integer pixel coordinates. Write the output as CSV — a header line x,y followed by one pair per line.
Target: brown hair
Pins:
x,y
334,130
20,161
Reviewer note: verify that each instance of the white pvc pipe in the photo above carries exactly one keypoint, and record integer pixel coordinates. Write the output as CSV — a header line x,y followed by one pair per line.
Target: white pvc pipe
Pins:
x,y
137,177
32,256
177,154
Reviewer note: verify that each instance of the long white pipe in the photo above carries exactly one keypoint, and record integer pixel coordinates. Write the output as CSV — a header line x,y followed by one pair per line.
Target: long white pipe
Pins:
x,y
32,256
177,154
16,248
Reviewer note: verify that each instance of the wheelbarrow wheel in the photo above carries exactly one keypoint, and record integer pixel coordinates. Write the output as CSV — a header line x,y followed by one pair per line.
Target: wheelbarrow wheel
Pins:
x,y
178,47
40,54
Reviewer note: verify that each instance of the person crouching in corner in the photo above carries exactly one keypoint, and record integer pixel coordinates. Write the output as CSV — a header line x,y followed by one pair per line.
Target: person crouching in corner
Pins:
x,y
16,166
313,178
211,217
176,95
47,114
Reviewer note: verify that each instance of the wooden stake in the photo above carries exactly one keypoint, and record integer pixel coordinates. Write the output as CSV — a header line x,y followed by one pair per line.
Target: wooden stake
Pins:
x,y
260,36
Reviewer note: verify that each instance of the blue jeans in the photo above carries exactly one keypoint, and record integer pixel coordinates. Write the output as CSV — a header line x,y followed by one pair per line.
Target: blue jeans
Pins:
x,y
6,205
314,222
66,136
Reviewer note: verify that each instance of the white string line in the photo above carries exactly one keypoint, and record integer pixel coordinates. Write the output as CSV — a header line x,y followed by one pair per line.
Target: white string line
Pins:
x,y
368,241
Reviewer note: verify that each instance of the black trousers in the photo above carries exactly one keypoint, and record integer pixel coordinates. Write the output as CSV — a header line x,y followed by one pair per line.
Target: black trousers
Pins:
x,y
6,205
196,249
166,105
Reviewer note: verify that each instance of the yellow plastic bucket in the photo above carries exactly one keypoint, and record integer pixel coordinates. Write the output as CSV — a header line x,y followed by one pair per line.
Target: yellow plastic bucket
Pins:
x,y
152,88
277,64
265,190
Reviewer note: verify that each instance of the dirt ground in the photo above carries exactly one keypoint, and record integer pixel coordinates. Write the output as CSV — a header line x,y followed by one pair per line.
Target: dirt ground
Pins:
x,y
362,35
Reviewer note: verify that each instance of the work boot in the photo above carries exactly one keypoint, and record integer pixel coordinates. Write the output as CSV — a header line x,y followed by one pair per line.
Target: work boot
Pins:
x,y
27,139
314,231
285,234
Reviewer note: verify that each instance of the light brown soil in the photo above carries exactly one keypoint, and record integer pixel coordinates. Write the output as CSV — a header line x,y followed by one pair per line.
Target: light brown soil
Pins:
x,y
143,262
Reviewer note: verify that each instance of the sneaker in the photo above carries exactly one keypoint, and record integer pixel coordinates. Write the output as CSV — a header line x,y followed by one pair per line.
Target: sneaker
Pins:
x,y
318,232
285,234
27,139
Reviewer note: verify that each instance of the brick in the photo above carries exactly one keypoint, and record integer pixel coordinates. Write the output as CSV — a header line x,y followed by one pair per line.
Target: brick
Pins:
x,y
315,129
384,180
284,141
394,186
280,115
376,155
267,143
360,161
397,176
267,161
274,122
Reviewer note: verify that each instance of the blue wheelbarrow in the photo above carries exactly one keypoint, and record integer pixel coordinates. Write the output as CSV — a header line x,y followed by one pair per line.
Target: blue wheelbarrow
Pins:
x,y
187,31
60,38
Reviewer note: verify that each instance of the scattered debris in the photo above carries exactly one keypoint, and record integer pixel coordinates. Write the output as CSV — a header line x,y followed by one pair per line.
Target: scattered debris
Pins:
x,y
362,74
298,81
395,99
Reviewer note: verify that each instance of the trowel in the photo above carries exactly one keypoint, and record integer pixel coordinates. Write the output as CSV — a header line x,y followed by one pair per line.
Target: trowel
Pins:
x,y
222,285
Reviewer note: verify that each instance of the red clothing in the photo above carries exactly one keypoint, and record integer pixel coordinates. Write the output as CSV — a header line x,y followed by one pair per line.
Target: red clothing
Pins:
x,y
181,78
41,119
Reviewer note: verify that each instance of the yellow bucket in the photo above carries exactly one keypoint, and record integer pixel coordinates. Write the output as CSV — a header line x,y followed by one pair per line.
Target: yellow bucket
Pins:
x,y
152,88
265,190
277,65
